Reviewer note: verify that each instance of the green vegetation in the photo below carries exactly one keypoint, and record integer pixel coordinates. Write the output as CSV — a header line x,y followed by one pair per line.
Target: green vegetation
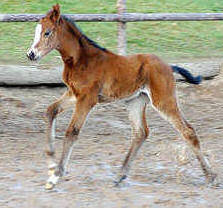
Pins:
x,y
171,40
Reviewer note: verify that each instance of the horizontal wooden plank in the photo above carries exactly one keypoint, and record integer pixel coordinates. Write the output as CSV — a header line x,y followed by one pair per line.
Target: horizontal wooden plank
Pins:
x,y
125,17
11,75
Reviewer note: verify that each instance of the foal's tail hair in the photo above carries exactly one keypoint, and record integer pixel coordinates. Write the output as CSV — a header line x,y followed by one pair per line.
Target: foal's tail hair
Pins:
x,y
187,75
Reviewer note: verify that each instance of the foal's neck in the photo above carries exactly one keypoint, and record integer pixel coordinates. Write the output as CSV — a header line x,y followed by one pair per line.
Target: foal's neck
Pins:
x,y
75,46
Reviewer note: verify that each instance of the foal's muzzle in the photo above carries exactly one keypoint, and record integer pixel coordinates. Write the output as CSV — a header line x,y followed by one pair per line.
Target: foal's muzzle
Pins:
x,y
32,56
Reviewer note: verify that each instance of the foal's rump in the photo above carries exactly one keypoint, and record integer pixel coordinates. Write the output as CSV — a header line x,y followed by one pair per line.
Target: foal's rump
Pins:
x,y
154,60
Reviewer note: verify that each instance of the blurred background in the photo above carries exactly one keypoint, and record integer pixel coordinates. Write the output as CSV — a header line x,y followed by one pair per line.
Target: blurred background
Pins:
x,y
170,40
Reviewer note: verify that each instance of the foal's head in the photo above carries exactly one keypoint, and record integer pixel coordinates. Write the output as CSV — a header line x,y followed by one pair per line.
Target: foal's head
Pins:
x,y
46,35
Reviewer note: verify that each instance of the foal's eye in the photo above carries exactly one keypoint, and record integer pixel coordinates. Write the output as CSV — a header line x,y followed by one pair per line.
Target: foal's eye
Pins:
x,y
47,33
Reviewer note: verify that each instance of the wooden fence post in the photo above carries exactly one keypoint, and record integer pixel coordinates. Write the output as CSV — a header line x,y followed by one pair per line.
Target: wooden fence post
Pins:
x,y
121,7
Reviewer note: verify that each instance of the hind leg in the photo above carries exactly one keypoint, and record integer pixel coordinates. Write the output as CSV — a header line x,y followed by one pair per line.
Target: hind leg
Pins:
x,y
166,105
137,108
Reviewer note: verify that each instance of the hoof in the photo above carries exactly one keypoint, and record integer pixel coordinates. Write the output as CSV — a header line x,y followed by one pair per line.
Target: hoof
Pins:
x,y
210,178
122,178
51,182
49,186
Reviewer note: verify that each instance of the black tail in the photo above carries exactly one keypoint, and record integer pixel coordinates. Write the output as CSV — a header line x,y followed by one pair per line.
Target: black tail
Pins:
x,y
187,75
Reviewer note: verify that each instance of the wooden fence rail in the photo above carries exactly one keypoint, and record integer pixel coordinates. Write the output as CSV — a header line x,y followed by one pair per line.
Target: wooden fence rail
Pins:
x,y
122,17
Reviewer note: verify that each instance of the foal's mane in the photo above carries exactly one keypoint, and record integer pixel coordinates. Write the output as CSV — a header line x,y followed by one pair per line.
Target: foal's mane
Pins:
x,y
77,32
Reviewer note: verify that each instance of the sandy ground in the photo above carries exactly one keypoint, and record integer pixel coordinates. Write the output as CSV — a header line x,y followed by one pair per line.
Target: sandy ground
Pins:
x,y
164,174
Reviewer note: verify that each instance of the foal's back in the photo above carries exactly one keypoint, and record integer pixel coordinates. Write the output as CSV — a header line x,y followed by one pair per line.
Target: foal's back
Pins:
x,y
123,75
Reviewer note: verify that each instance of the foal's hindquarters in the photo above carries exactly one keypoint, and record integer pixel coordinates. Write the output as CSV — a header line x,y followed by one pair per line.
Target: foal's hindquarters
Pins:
x,y
160,93
158,90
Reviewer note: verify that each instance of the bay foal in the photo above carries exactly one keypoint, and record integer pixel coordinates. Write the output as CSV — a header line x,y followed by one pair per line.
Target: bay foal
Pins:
x,y
92,75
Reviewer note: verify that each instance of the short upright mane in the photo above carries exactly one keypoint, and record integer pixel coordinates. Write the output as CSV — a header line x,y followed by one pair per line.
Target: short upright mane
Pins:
x,y
91,42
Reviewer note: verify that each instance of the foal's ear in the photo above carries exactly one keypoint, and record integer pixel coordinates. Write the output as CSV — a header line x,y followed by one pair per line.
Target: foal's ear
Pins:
x,y
55,14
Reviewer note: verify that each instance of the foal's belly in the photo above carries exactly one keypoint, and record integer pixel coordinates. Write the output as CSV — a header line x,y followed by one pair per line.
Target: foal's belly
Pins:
x,y
110,96
103,98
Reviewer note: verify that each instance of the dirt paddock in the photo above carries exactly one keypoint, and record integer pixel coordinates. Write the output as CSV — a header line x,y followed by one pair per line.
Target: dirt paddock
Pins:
x,y
165,173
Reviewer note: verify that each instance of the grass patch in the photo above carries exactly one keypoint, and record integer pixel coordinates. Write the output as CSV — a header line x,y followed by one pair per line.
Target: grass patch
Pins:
x,y
166,39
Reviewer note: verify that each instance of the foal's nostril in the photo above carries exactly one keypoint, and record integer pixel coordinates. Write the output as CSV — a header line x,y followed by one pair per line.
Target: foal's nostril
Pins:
x,y
31,55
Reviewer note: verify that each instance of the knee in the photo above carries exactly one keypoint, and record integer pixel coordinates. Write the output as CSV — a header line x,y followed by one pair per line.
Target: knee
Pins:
x,y
142,133
51,112
72,133
192,137
194,140
146,132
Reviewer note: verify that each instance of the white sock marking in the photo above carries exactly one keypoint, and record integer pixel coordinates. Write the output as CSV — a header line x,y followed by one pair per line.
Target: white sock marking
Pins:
x,y
53,179
53,129
52,165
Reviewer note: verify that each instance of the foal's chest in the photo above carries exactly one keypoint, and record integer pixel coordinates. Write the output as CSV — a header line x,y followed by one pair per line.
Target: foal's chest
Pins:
x,y
79,81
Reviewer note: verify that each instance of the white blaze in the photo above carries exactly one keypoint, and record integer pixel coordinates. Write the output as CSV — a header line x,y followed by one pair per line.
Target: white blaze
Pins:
x,y
35,42
37,35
